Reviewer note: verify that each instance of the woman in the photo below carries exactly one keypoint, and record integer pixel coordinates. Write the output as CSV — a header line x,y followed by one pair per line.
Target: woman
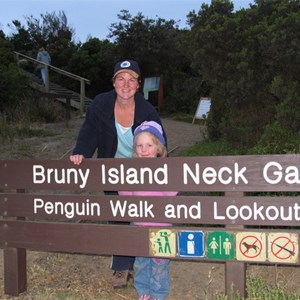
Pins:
x,y
108,129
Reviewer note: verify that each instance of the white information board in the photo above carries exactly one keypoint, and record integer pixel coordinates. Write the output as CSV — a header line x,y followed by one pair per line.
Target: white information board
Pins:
x,y
202,109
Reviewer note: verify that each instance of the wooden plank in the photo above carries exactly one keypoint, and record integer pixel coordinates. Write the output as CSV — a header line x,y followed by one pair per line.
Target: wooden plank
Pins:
x,y
234,210
274,173
100,239
75,238
96,239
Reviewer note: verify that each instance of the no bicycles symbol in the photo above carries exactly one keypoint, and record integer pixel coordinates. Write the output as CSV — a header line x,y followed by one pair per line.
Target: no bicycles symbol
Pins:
x,y
283,247
251,246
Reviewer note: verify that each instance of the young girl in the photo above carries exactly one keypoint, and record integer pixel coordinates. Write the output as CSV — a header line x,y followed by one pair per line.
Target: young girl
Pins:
x,y
151,275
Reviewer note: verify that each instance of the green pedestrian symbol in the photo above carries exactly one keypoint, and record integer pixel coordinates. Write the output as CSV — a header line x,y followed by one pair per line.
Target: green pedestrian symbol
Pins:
x,y
220,245
167,248
162,242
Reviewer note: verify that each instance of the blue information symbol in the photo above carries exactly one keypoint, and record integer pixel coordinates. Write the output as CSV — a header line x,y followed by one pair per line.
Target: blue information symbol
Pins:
x,y
190,243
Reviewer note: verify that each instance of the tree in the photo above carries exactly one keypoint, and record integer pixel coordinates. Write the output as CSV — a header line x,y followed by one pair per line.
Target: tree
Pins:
x,y
241,54
50,31
150,42
95,60
13,84
154,43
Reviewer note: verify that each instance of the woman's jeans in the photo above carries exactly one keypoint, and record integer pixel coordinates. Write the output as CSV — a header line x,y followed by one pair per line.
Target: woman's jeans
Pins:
x,y
152,277
43,75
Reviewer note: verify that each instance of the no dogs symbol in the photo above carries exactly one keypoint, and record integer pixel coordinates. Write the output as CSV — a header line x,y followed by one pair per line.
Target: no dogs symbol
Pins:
x,y
251,246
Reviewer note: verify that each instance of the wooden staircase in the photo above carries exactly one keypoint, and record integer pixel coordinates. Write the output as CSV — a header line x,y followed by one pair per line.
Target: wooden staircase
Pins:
x,y
77,100
56,89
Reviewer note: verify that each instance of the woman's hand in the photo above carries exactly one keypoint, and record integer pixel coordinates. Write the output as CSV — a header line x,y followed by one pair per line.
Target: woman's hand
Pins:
x,y
76,159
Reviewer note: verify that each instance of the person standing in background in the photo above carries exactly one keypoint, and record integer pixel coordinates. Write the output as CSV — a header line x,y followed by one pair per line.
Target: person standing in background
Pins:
x,y
44,57
108,129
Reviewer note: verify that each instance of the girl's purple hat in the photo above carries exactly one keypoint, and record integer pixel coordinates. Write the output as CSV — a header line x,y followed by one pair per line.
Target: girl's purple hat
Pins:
x,y
152,127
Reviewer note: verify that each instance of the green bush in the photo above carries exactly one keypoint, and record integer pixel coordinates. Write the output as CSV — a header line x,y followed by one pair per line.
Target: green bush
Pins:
x,y
258,288
13,83
278,140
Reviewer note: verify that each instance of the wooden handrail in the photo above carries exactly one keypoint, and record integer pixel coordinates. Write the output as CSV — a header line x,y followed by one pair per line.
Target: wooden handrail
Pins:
x,y
81,79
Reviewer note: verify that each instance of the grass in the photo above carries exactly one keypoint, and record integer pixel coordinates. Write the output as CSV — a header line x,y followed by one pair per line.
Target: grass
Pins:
x,y
258,288
10,131
78,277
17,120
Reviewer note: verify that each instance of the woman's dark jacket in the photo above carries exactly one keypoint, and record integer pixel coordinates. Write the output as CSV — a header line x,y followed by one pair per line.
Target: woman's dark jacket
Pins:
x,y
99,131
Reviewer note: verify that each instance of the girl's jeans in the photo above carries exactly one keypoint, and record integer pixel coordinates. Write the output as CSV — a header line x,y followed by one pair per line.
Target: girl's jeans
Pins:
x,y
151,277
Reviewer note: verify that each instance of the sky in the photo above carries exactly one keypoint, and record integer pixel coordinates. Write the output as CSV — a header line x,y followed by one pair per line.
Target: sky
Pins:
x,y
94,17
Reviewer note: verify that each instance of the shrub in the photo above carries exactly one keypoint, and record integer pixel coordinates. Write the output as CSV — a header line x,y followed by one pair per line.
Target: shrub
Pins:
x,y
277,140
17,120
